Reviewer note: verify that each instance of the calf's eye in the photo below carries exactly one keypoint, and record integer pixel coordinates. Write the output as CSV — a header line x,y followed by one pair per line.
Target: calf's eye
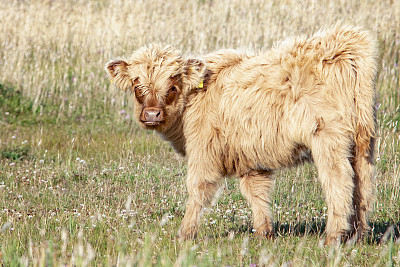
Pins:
x,y
139,95
171,95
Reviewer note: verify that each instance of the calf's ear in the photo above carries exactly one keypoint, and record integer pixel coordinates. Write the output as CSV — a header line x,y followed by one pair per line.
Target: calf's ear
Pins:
x,y
194,73
118,72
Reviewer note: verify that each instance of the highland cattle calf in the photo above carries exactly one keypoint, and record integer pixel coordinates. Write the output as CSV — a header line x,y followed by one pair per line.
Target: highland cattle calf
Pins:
x,y
246,115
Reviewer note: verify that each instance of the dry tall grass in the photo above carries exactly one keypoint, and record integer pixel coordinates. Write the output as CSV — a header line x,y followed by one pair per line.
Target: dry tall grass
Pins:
x,y
54,50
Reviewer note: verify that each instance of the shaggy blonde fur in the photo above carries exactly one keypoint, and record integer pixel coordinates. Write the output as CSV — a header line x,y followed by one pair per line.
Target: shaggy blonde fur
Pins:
x,y
243,115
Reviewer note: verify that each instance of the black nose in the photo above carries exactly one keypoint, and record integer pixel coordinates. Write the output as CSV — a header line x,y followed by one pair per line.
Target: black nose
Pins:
x,y
153,115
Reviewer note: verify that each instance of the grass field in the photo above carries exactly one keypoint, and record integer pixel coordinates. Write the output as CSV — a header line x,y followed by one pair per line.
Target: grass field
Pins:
x,y
81,185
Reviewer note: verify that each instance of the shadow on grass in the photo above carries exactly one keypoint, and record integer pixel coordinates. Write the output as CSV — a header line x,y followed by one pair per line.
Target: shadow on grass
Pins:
x,y
380,231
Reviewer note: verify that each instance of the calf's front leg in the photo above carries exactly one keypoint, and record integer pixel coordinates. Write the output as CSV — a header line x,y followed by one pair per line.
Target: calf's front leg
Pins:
x,y
202,186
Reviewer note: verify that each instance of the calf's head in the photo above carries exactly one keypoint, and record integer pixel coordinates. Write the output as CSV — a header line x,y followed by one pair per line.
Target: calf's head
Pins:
x,y
161,81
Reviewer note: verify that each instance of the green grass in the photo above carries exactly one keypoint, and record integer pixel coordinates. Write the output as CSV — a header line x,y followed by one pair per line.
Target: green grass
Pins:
x,y
81,184
107,193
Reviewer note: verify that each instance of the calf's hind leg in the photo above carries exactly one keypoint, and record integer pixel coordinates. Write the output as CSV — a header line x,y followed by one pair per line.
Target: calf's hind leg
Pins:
x,y
363,164
256,186
331,153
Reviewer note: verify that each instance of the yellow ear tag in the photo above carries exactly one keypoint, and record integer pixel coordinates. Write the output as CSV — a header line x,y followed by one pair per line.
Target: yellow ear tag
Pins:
x,y
111,81
200,84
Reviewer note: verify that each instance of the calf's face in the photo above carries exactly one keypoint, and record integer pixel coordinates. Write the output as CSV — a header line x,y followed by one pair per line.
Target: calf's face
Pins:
x,y
161,81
